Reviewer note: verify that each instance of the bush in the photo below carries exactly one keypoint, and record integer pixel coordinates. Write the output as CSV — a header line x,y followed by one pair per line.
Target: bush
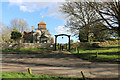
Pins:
x,y
15,35
83,41
96,45
11,41
112,39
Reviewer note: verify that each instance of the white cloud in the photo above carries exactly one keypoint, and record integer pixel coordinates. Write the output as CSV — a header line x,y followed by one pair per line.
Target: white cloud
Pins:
x,y
48,8
31,7
62,30
60,0
55,11
37,0
15,2
23,8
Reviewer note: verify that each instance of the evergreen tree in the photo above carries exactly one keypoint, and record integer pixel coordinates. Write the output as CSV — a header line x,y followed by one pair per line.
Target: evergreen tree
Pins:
x,y
16,35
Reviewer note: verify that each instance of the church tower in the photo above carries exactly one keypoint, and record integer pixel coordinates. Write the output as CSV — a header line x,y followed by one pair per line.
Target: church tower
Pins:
x,y
42,25
42,35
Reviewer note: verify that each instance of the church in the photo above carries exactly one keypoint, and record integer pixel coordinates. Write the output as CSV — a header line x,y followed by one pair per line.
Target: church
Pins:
x,y
41,35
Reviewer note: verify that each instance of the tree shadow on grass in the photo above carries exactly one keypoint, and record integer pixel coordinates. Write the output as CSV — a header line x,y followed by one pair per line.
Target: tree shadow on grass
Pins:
x,y
105,57
110,53
100,48
48,54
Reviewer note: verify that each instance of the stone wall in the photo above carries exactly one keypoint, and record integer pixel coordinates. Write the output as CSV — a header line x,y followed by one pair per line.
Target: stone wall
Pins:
x,y
46,45
24,45
116,42
106,43
95,44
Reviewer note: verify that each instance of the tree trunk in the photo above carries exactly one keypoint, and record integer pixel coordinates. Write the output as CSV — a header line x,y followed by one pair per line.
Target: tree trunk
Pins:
x,y
119,28
79,36
88,37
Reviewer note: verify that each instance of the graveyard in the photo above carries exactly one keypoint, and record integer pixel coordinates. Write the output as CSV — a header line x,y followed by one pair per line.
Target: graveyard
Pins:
x,y
43,61
59,40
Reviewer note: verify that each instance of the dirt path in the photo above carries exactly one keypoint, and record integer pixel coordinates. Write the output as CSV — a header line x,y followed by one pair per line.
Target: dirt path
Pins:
x,y
58,63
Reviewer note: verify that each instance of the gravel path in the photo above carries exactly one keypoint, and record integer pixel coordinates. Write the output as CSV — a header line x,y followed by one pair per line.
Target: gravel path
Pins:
x,y
58,63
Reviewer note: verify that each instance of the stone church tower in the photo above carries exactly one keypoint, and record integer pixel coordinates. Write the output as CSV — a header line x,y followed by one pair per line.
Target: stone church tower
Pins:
x,y
42,25
41,35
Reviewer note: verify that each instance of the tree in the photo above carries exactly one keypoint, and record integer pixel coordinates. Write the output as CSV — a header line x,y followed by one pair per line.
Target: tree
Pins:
x,y
102,35
109,13
5,32
81,18
19,24
115,35
71,41
16,35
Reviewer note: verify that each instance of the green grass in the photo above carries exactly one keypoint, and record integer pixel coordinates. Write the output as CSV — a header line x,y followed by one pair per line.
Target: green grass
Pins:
x,y
58,47
24,76
105,54
30,50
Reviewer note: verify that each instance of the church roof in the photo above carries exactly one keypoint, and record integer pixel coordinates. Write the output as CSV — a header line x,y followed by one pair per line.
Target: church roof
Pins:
x,y
42,23
26,32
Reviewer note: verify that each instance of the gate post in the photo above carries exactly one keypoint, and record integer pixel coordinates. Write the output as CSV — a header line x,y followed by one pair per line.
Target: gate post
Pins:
x,y
55,41
69,42
66,45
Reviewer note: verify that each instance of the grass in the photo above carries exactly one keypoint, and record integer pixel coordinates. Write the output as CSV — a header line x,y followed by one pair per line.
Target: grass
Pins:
x,y
28,50
25,76
105,54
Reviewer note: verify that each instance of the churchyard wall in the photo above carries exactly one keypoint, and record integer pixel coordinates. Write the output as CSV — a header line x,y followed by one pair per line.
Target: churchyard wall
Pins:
x,y
116,42
48,45
95,44
25,45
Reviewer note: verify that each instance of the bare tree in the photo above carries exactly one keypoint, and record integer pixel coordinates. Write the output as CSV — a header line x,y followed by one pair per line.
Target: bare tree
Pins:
x,y
19,24
80,17
5,33
109,12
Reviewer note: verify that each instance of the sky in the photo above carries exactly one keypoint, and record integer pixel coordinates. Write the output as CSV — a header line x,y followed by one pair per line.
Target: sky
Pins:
x,y
34,12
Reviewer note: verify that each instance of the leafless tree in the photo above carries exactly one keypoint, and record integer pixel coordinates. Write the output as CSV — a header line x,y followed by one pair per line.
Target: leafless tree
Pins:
x,y
109,12
80,16
5,33
19,24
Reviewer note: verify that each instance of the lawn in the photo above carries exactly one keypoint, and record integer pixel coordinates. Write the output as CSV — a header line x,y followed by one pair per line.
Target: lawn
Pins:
x,y
28,50
105,54
26,76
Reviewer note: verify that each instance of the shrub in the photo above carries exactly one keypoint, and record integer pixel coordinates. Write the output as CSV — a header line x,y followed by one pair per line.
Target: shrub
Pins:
x,y
96,45
11,41
15,35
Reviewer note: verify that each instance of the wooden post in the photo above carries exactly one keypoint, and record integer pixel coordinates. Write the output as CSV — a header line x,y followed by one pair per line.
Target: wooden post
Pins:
x,y
29,71
55,41
32,34
69,43
96,54
60,47
66,45
78,50
84,78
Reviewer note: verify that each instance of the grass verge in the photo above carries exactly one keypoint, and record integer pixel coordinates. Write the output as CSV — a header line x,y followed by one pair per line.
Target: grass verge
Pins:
x,y
26,76
27,50
105,54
